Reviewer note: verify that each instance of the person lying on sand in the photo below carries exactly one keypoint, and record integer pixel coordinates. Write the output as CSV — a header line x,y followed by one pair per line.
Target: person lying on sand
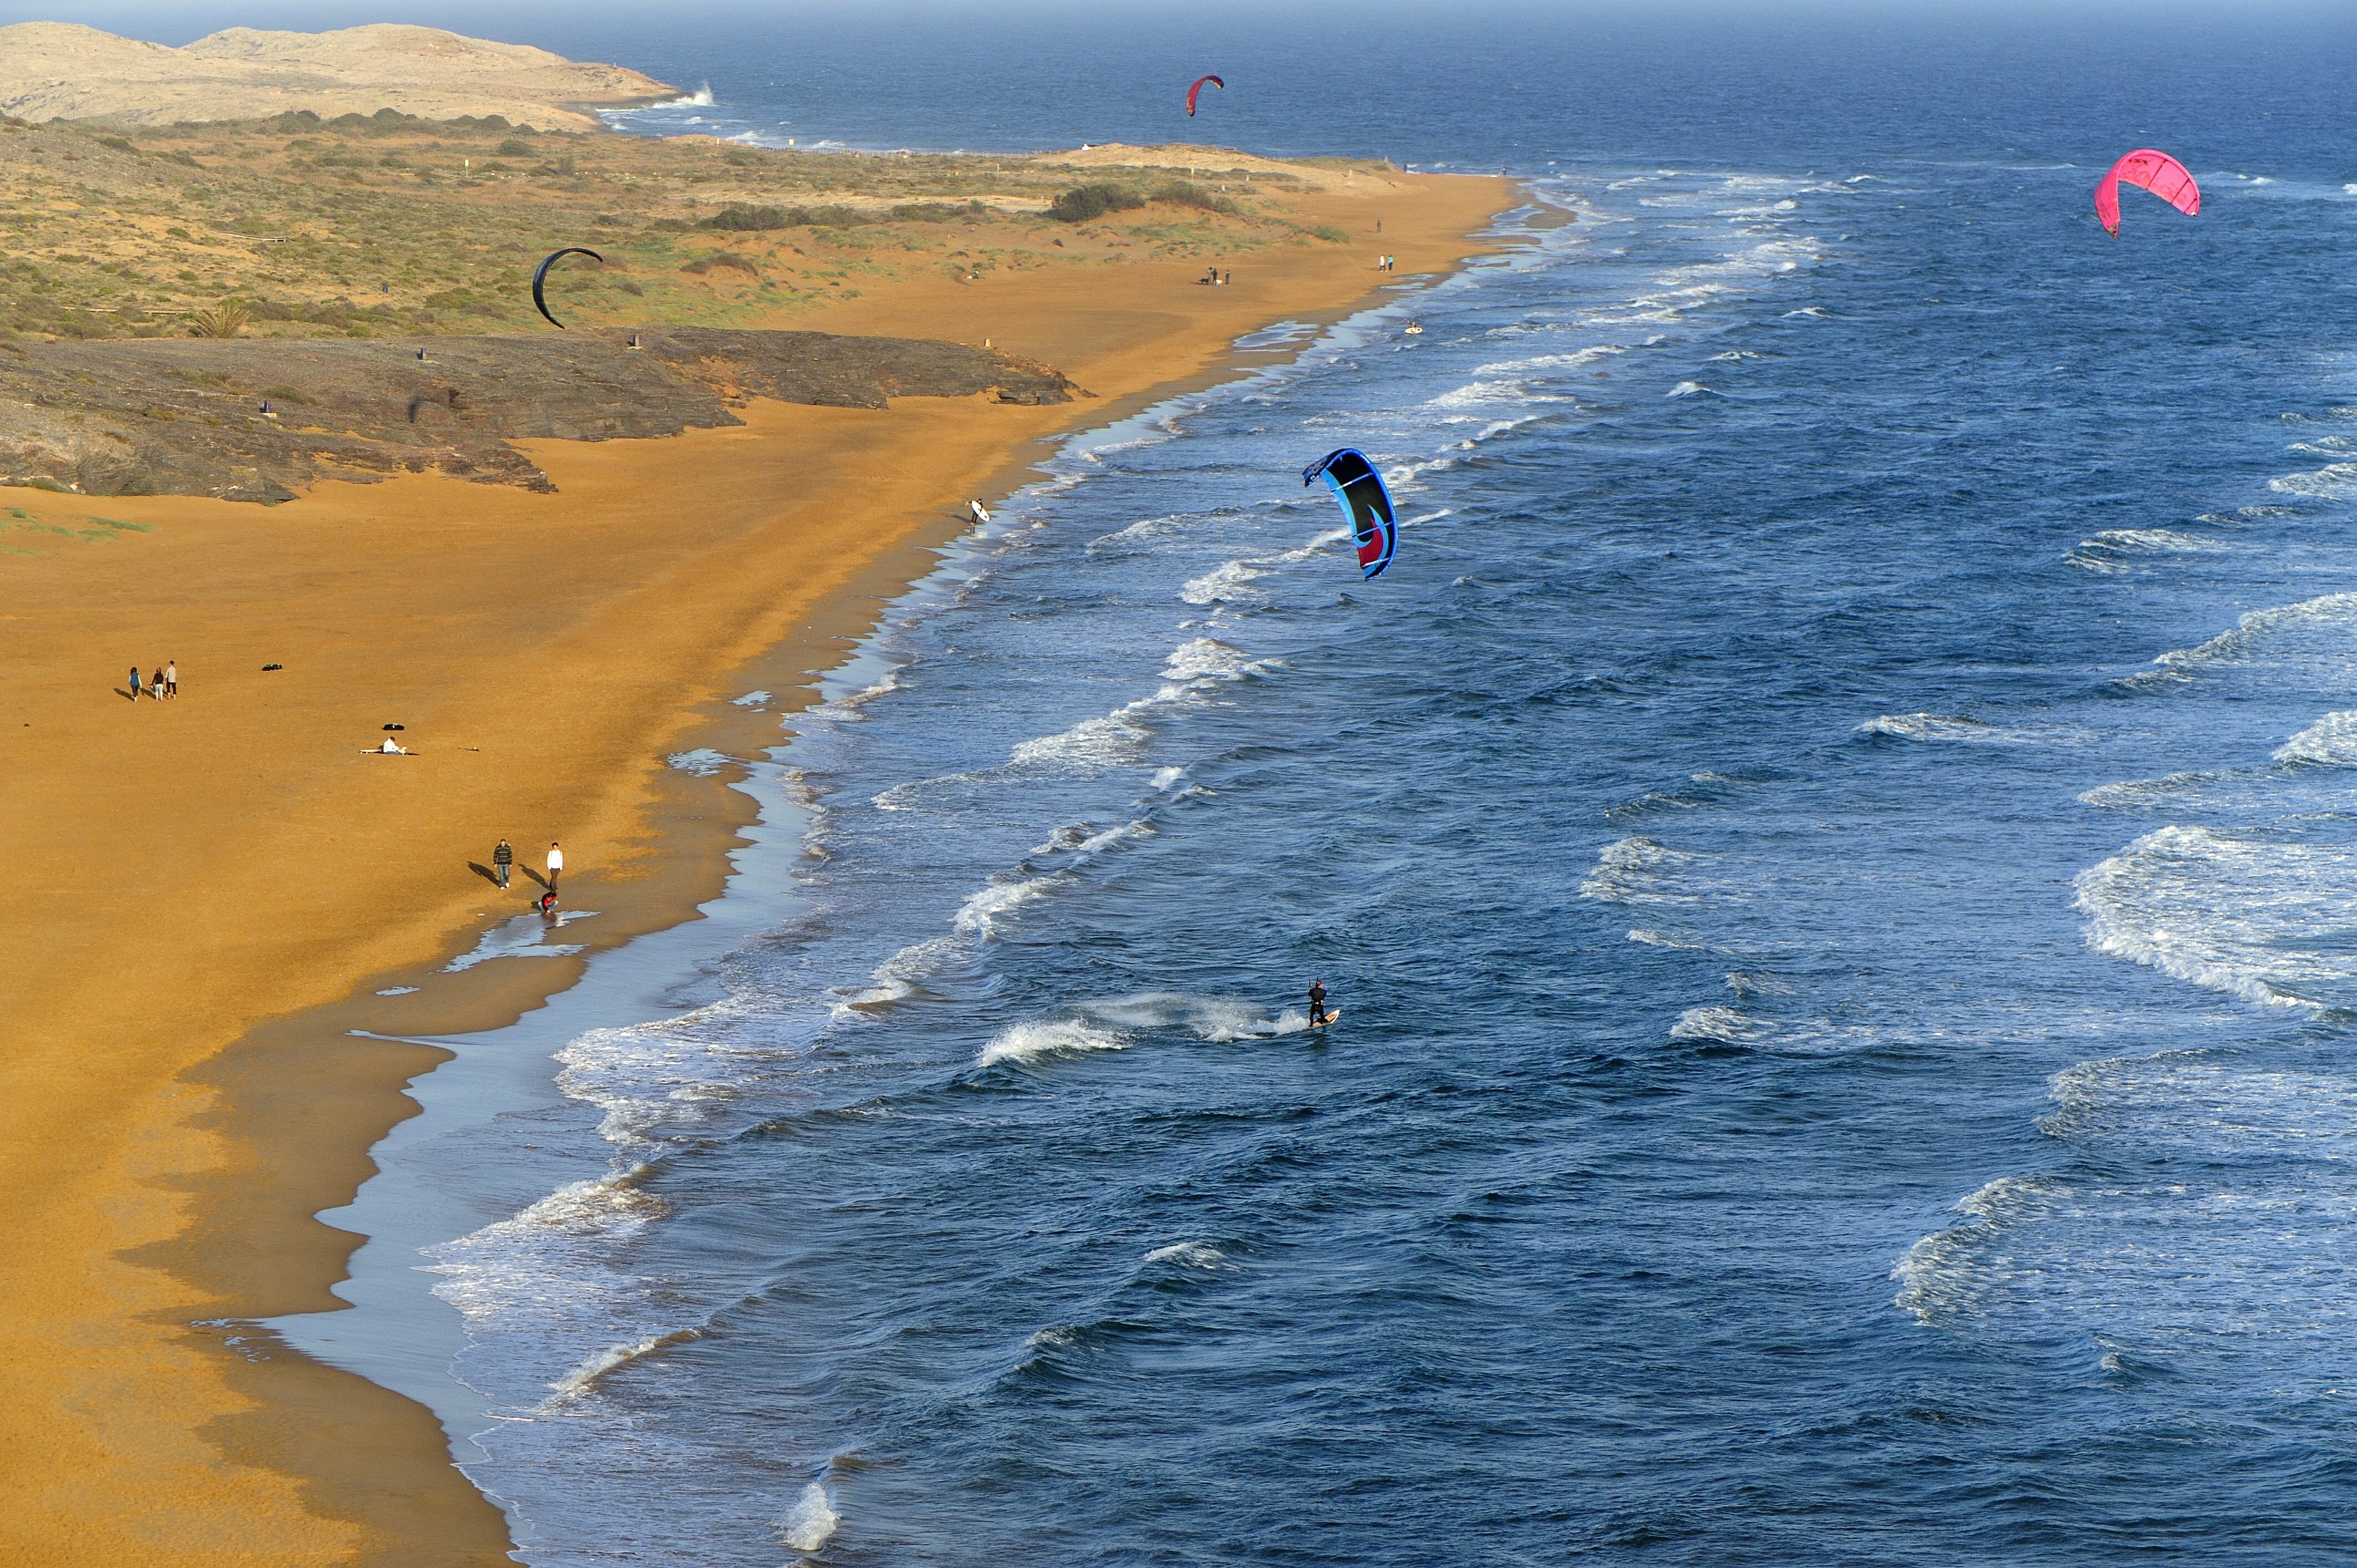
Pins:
x,y
391,747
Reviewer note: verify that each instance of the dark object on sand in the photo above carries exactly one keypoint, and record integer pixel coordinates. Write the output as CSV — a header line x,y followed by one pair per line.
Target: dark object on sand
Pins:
x,y
396,726
274,667
539,276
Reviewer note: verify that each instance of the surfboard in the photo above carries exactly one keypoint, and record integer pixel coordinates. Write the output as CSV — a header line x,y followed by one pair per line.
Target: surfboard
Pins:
x,y
1331,1014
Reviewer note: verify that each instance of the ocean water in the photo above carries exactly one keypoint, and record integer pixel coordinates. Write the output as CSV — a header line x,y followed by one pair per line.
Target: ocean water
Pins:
x,y
1834,845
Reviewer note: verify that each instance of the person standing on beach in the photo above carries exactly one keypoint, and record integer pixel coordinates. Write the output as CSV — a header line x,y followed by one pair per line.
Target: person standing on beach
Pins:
x,y
556,864
502,859
135,682
155,683
171,679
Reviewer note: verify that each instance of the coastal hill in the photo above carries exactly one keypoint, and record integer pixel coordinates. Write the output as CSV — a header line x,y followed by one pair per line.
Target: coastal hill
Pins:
x,y
60,70
157,283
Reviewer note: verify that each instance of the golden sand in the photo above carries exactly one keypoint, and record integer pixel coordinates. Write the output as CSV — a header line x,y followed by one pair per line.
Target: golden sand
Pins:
x,y
205,894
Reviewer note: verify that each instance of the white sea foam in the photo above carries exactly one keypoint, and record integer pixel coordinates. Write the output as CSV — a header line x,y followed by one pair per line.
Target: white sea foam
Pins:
x,y
2113,550
1229,583
2316,626
2333,482
1716,1022
1577,360
2243,1237
1969,732
479,1269
703,762
2265,920
2178,790
1039,1041
1115,738
585,1375
810,1521
1188,1255
2331,739
750,699
1637,870
987,910
1687,389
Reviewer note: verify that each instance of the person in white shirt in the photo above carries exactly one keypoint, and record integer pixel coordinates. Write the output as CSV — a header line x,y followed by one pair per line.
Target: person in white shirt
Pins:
x,y
172,679
392,747
556,865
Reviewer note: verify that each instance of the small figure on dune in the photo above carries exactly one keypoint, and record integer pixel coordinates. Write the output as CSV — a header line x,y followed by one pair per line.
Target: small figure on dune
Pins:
x,y
155,683
502,861
135,682
171,679
555,867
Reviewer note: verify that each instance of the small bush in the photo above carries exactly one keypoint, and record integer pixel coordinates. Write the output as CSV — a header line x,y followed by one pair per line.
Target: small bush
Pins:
x,y
939,212
1183,193
724,261
285,395
1332,236
120,143
738,218
1083,202
226,319
513,147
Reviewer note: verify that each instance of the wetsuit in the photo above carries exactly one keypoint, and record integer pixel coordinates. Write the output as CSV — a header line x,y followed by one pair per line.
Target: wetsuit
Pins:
x,y
1317,1003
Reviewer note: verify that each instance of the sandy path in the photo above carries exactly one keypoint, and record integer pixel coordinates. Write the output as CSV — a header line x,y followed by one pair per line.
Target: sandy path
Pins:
x,y
179,873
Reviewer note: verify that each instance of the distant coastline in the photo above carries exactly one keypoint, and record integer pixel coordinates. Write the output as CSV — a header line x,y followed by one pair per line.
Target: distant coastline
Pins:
x,y
62,70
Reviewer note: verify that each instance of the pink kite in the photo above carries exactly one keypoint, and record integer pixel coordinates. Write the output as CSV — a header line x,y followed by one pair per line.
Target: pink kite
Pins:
x,y
1198,87
2158,173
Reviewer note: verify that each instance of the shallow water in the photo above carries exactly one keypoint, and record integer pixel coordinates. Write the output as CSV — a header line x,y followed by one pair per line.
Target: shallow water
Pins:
x,y
1832,842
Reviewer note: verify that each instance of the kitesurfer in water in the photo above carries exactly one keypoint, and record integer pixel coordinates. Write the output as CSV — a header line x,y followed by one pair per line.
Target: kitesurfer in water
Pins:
x,y
1316,1002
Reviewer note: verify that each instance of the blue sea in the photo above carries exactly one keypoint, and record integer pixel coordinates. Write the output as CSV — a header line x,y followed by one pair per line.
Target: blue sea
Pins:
x,y
1834,844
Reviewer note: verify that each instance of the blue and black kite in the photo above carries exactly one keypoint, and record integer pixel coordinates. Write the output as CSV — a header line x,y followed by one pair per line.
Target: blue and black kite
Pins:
x,y
1360,490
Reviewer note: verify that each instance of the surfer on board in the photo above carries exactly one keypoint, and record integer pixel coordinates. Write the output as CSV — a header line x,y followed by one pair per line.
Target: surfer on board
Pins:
x,y
1317,1003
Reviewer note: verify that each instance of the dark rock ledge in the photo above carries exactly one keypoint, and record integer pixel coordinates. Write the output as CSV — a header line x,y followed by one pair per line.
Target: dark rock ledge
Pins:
x,y
184,417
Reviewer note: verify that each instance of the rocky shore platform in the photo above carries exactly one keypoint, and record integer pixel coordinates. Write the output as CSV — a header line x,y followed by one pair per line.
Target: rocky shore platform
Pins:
x,y
258,419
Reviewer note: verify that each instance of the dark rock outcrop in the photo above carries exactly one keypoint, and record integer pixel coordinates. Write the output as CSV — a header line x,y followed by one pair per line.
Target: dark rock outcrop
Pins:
x,y
184,417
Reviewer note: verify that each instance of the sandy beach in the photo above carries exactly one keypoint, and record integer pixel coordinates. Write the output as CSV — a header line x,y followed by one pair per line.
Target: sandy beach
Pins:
x,y
209,893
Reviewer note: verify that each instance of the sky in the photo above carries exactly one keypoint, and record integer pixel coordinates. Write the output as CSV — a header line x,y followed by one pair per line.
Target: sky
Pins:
x,y
548,22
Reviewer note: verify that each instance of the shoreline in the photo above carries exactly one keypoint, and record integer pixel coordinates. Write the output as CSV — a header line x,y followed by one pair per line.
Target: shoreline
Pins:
x,y
357,1472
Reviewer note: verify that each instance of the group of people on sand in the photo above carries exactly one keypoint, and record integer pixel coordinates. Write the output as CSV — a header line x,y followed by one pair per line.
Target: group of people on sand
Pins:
x,y
1387,263
503,862
1214,275
164,685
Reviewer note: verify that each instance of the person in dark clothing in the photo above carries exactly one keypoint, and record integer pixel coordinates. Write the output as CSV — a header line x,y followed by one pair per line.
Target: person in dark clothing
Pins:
x,y
135,682
548,903
1316,1002
502,859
